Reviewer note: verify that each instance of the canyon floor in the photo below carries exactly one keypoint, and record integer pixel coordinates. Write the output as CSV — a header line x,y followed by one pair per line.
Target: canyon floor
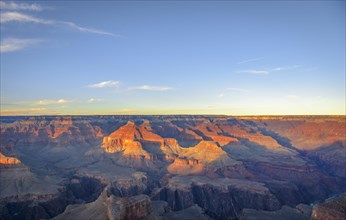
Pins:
x,y
173,167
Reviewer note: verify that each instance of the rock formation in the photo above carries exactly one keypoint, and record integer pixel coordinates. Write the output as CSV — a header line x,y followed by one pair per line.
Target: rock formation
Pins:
x,y
4,160
169,167
333,208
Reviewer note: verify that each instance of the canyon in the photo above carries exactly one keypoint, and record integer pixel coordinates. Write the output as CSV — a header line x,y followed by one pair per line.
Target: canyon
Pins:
x,y
172,167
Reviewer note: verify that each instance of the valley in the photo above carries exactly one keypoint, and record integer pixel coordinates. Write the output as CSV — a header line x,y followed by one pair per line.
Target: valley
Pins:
x,y
172,167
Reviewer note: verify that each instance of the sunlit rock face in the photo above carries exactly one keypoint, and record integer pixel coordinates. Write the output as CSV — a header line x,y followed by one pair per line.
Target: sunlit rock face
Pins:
x,y
199,158
159,167
127,138
8,160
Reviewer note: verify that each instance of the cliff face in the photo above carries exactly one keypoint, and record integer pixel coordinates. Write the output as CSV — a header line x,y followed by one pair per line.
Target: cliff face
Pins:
x,y
135,207
222,198
333,208
214,165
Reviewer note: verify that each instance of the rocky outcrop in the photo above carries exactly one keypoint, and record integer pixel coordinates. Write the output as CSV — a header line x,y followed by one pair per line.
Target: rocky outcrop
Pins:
x,y
128,135
185,166
204,158
220,198
128,141
332,209
135,207
24,195
130,187
109,207
4,160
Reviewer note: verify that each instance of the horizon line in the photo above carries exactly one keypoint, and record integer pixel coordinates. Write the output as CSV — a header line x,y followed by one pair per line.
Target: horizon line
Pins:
x,y
214,115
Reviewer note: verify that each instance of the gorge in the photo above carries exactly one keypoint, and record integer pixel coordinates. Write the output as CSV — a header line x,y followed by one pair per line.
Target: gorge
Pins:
x,y
172,167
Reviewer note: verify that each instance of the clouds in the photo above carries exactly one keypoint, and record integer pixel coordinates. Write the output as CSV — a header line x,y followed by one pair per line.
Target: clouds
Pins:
x,y
84,29
20,6
151,88
8,17
91,100
40,107
51,102
116,84
264,71
12,12
105,84
255,72
20,17
267,71
15,44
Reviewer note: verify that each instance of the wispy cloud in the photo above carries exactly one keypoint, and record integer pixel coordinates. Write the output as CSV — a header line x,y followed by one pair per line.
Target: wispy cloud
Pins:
x,y
51,102
105,84
7,17
20,6
267,71
85,29
255,72
285,68
151,88
92,100
250,60
15,44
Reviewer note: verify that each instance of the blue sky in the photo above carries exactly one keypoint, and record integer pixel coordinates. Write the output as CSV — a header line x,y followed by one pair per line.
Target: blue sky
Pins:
x,y
195,57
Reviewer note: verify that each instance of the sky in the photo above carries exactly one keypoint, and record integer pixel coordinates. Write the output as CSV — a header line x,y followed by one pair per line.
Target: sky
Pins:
x,y
172,57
